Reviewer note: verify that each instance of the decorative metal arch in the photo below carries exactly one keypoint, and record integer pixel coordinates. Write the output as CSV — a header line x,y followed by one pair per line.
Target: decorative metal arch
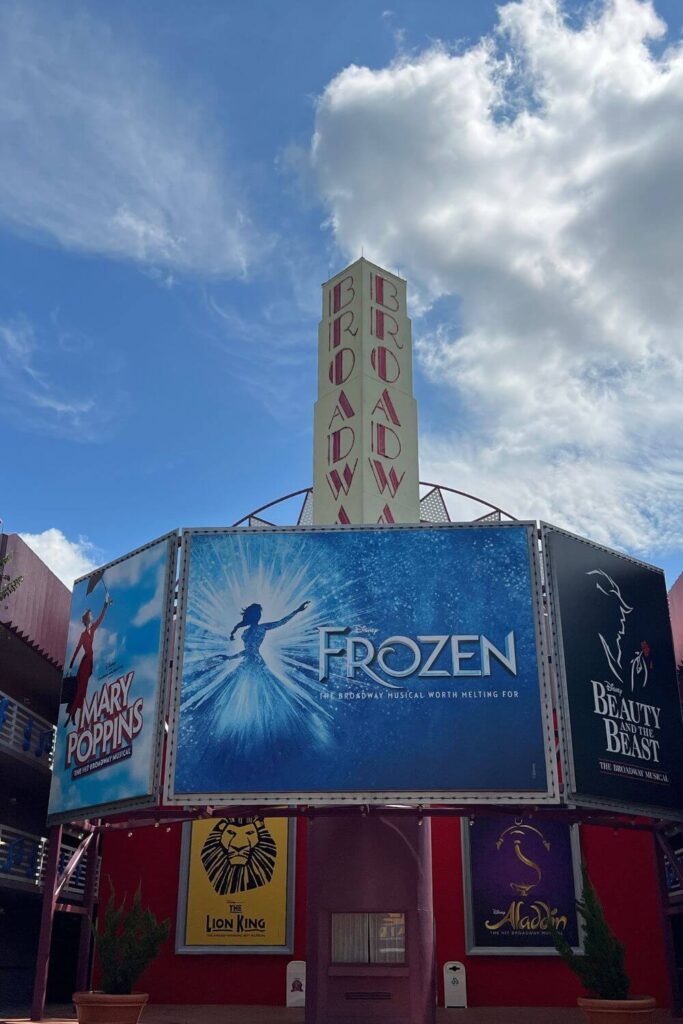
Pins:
x,y
433,507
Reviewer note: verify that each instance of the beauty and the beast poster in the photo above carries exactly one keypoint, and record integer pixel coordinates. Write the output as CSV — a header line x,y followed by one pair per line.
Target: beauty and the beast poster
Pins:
x,y
521,876
109,717
618,674
236,886
378,661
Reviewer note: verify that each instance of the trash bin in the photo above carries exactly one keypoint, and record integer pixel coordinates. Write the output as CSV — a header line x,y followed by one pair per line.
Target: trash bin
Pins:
x,y
296,983
454,984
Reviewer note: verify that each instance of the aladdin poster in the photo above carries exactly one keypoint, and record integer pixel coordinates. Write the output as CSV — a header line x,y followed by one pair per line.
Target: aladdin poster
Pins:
x,y
617,675
311,661
520,874
236,886
108,730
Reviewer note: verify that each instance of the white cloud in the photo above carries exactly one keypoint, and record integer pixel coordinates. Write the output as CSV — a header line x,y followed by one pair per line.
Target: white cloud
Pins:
x,y
31,398
68,559
100,154
153,608
536,177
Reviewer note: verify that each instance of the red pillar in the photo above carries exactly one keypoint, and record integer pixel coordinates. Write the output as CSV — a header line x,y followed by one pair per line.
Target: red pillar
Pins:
x,y
85,938
660,852
46,919
373,864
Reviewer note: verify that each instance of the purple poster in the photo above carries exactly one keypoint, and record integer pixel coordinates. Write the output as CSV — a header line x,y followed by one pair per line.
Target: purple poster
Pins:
x,y
522,873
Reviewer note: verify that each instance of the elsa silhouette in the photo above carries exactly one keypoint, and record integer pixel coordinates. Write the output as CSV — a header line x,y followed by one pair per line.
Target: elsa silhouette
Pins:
x,y
257,707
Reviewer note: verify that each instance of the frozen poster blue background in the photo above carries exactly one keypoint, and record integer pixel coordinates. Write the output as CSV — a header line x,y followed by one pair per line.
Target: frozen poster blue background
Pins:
x,y
129,638
253,716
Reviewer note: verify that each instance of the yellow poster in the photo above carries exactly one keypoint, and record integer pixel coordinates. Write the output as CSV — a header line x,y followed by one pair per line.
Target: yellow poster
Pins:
x,y
236,892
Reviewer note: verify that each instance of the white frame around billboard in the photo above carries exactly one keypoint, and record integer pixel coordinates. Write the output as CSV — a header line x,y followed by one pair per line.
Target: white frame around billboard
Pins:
x,y
181,915
152,798
470,948
340,798
572,797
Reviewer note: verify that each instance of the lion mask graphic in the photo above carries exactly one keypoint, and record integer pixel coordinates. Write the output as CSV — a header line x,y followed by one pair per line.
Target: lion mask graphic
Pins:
x,y
239,854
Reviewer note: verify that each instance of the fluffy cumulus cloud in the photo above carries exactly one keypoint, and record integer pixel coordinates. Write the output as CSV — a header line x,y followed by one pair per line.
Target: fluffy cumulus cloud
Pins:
x,y
101,155
531,183
68,559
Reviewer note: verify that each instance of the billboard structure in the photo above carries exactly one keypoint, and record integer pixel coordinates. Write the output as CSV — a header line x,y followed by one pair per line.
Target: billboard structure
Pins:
x,y
520,874
360,664
236,892
109,727
618,695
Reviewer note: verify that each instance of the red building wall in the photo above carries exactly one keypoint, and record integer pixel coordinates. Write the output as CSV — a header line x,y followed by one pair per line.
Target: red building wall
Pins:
x,y
152,856
622,865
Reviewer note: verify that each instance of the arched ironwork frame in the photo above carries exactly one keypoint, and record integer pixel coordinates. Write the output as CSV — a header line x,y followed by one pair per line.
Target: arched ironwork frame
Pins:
x,y
434,507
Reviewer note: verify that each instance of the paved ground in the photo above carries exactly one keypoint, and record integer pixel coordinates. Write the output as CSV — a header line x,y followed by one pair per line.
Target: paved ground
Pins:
x,y
280,1015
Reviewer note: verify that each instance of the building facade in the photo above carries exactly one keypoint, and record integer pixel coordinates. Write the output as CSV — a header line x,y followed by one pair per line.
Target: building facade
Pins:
x,y
365,471
33,633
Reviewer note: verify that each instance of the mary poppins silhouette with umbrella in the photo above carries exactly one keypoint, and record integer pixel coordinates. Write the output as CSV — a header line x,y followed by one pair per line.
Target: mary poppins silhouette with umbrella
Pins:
x,y
79,692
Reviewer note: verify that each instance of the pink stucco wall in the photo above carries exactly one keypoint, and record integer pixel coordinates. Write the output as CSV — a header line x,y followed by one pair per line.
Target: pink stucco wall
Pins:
x,y
676,610
38,611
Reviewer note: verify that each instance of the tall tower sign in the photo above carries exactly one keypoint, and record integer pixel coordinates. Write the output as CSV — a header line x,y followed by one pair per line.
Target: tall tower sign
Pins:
x,y
365,435
366,471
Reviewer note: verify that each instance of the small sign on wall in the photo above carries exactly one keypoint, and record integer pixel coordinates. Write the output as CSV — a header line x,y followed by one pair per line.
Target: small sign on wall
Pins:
x,y
454,984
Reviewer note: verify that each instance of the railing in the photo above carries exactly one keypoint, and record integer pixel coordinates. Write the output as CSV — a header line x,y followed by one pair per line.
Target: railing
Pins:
x,y
23,860
25,734
22,856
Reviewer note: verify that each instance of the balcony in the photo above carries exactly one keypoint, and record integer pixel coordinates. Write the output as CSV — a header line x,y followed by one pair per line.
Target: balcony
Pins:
x,y
25,734
23,860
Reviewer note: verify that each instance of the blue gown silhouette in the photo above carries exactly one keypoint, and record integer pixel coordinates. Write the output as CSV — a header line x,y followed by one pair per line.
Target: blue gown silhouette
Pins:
x,y
258,709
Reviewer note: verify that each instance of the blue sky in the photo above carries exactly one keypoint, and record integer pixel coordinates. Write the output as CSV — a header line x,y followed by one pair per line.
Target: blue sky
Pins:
x,y
176,181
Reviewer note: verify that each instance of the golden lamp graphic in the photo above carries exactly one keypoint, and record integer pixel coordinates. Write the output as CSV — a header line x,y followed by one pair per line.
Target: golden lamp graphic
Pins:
x,y
517,834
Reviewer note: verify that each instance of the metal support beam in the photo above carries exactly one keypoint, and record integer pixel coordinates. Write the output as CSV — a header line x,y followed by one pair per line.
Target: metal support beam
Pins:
x,y
667,932
46,919
85,938
73,863
167,816
668,850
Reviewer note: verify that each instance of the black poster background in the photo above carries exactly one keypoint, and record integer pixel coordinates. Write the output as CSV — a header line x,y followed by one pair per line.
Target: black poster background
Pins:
x,y
599,596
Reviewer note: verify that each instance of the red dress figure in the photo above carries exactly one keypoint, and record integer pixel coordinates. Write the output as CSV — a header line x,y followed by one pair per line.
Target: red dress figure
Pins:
x,y
86,666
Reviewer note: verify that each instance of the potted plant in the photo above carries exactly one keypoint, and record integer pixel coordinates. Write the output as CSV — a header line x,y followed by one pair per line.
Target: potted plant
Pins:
x,y
127,944
601,968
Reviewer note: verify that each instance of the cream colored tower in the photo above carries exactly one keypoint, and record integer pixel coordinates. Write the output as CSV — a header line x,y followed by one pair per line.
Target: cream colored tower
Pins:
x,y
365,434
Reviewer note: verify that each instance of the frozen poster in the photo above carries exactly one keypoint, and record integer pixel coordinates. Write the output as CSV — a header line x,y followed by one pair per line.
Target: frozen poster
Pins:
x,y
109,716
372,661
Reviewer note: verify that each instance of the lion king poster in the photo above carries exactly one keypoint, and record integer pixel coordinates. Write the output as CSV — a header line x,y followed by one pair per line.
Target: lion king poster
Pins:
x,y
236,886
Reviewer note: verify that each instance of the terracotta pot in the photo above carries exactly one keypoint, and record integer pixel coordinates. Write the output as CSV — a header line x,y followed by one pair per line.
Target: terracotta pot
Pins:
x,y
636,1010
98,1008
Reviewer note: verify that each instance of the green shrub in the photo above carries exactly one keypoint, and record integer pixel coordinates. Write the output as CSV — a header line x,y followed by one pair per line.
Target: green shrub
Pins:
x,y
128,942
601,969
